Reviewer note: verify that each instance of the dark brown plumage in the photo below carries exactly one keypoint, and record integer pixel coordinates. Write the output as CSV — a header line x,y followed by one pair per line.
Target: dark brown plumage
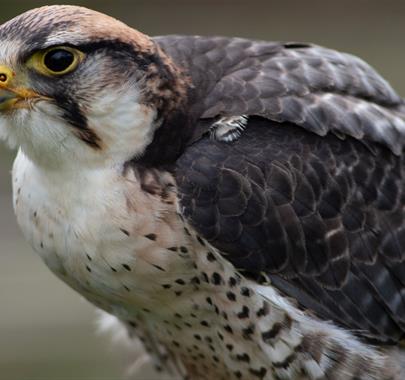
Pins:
x,y
321,217
319,89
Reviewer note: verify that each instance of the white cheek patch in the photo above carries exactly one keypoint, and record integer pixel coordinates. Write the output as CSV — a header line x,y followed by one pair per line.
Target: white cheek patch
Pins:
x,y
39,133
125,127
42,134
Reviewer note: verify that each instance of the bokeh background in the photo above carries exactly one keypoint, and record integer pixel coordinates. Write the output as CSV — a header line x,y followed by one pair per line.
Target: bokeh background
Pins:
x,y
47,332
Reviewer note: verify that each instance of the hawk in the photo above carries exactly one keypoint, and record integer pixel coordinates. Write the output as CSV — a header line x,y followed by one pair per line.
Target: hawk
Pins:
x,y
236,205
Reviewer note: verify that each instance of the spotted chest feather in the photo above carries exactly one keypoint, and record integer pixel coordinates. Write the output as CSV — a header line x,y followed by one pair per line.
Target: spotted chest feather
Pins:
x,y
118,238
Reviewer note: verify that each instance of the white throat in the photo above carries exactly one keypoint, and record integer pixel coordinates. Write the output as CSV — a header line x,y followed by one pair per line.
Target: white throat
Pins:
x,y
122,125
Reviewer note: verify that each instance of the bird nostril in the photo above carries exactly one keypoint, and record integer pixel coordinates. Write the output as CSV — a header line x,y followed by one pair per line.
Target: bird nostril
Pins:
x,y
3,77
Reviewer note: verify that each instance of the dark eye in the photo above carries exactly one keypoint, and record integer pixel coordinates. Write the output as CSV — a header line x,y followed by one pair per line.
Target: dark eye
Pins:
x,y
59,60
56,61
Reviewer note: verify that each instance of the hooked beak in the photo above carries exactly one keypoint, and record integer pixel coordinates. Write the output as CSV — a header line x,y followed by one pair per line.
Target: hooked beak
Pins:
x,y
11,95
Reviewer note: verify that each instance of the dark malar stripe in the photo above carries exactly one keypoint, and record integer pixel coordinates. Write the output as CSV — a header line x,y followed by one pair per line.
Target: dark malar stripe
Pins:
x,y
76,118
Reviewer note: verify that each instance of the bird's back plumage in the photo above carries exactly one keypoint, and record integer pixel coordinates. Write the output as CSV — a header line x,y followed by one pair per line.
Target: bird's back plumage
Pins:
x,y
319,89
319,218
330,207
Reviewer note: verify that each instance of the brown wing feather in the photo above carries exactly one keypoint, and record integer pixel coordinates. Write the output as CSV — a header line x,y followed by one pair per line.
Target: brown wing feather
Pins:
x,y
323,218
319,89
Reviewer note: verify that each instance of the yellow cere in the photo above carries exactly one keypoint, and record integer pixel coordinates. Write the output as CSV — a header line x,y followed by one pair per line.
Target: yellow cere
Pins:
x,y
6,75
12,94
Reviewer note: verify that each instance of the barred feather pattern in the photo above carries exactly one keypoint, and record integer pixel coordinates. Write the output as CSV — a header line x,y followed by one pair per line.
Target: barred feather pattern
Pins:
x,y
320,89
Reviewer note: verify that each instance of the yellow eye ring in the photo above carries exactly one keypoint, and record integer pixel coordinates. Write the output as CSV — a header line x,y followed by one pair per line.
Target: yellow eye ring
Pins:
x,y
56,61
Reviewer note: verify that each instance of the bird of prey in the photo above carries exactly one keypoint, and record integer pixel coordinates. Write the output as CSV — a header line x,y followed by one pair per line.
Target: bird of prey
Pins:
x,y
236,205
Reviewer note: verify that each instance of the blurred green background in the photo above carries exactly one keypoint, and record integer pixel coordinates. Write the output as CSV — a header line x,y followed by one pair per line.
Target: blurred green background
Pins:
x,y
47,332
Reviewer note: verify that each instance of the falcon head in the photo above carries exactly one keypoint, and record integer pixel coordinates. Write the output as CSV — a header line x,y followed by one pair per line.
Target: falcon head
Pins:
x,y
79,86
